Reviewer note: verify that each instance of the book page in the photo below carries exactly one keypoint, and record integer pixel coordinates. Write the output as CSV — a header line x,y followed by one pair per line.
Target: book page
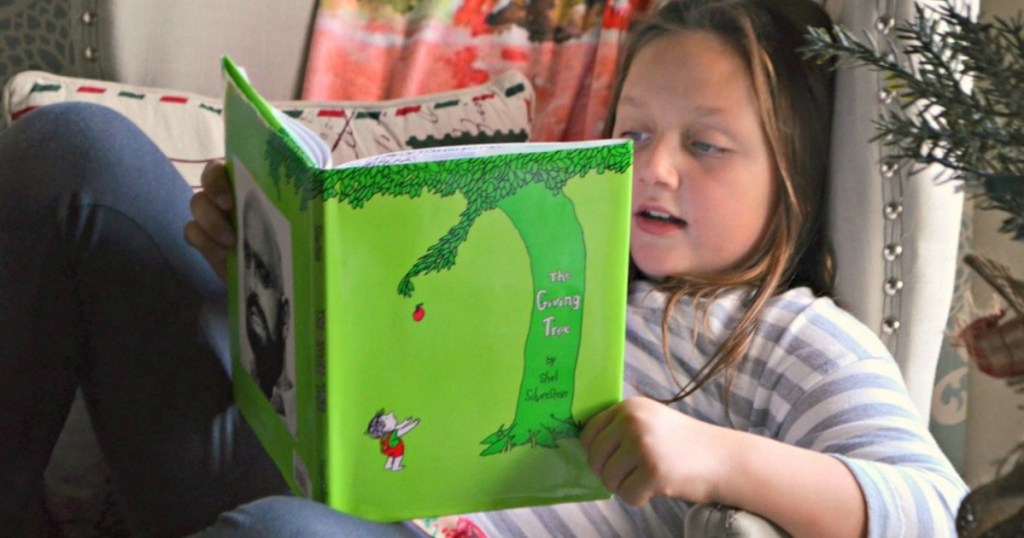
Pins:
x,y
463,152
306,139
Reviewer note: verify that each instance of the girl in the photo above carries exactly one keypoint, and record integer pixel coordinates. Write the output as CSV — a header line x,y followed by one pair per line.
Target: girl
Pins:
x,y
746,388
792,409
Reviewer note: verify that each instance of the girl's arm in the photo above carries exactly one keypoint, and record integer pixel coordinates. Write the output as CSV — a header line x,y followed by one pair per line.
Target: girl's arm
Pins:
x,y
641,448
814,378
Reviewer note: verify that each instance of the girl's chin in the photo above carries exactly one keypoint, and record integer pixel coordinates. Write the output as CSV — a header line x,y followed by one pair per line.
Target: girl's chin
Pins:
x,y
656,271
658,258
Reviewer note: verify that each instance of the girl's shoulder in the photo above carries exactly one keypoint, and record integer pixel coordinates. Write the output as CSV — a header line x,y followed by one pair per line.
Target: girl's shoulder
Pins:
x,y
794,318
809,340
801,314
801,341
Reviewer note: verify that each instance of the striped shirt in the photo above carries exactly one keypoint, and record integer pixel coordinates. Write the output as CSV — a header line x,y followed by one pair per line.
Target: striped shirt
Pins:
x,y
814,377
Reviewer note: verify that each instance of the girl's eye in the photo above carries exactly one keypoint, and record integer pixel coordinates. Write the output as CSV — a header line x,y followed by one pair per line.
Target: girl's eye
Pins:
x,y
705,148
635,136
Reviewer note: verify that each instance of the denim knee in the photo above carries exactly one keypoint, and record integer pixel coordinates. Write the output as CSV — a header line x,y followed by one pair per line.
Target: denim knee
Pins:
x,y
286,517
75,147
73,126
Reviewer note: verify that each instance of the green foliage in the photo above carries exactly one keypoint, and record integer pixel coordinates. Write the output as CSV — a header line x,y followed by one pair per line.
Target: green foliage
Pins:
x,y
465,138
484,182
961,105
498,442
286,163
545,433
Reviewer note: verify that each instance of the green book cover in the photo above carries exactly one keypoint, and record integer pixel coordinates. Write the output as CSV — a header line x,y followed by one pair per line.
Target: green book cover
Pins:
x,y
424,333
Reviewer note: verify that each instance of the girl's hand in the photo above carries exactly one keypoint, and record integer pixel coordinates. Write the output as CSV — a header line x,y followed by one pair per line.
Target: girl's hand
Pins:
x,y
641,448
211,231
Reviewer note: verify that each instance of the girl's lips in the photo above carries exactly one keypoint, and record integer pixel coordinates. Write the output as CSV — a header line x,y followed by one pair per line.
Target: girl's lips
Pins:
x,y
657,222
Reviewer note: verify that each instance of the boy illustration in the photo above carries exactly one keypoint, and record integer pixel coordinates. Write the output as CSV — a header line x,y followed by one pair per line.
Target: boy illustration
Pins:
x,y
386,428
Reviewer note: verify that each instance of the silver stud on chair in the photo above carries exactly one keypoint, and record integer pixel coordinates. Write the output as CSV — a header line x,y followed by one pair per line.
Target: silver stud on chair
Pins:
x,y
890,325
88,18
889,167
885,96
884,24
893,210
90,53
893,286
892,251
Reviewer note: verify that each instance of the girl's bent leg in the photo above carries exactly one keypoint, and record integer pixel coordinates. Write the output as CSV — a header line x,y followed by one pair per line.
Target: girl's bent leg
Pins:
x,y
101,291
282,517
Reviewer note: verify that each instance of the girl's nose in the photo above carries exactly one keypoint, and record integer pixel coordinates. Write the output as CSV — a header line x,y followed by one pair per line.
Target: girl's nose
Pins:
x,y
656,163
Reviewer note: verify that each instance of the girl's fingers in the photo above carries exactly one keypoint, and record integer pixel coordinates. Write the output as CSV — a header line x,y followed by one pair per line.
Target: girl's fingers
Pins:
x,y
595,426
215,184
210,232
212,220
601,448
214,254
620,465
635,489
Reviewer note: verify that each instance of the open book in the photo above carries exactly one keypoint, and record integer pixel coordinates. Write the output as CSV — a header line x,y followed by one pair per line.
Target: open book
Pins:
x,y
423,333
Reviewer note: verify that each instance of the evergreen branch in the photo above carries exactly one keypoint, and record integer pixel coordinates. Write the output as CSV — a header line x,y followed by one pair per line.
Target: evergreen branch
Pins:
x,y
956,84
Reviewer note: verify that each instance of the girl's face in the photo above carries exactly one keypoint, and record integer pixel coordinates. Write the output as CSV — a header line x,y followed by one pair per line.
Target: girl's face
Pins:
x,y
704,180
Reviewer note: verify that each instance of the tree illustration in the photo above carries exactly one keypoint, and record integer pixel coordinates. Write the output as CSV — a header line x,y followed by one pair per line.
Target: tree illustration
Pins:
x,y
521,186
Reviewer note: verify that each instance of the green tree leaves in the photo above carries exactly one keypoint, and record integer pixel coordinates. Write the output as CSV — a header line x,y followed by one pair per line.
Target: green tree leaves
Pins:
x,y
483,181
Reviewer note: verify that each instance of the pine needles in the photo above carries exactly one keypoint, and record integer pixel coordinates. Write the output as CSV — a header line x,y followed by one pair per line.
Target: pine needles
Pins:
x,y
959,99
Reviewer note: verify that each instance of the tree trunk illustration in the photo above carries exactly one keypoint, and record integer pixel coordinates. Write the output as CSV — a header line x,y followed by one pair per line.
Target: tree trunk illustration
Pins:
x,y
558,266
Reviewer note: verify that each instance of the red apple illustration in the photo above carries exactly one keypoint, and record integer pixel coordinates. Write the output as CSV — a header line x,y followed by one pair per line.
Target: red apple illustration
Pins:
x,y
418,313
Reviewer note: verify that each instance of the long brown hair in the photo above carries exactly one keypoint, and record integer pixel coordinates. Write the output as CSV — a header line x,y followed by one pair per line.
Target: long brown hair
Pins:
x,y
795,102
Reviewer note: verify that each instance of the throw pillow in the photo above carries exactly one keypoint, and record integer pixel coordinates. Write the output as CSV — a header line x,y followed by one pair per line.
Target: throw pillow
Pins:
x,y
188,128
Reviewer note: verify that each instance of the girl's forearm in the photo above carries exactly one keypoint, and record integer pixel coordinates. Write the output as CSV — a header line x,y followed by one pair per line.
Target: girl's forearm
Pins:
x,y
806,493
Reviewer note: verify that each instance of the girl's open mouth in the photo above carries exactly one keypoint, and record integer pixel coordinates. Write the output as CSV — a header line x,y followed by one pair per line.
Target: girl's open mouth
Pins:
x,y
657,222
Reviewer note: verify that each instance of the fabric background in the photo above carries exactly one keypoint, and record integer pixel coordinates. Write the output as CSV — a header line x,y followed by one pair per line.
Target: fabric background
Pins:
x,y
568,49
35,34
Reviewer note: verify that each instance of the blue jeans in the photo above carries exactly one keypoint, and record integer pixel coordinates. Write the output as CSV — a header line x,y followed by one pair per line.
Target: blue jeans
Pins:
x,y
290,517
99,290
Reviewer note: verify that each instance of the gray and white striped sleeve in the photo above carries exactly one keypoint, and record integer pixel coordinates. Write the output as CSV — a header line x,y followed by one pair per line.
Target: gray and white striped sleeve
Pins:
x,y
860,413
